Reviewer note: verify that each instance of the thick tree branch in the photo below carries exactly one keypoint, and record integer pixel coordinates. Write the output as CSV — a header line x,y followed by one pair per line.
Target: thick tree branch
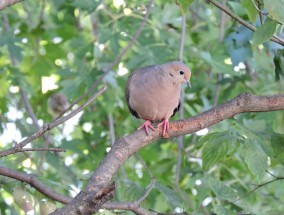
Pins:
x,y
7,3
243,22
34,182
50,126
50,193
127,146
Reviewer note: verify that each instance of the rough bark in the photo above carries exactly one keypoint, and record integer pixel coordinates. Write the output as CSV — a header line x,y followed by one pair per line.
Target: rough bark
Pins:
x,y
85,202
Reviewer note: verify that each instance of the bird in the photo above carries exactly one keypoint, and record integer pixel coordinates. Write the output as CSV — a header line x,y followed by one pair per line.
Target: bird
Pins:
x,y
153,93
57,103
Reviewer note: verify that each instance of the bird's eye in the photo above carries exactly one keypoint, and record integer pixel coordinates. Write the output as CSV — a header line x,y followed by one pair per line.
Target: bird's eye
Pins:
x,y
181,72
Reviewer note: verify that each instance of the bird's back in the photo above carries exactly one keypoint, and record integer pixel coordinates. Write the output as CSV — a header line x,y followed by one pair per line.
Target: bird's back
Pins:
x,y
151,95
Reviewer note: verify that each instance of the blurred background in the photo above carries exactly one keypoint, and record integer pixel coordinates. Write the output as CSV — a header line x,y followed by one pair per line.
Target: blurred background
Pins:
x,y
56,46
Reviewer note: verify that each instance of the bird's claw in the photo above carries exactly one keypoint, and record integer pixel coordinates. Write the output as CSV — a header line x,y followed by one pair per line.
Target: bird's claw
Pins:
x,y
146,125
166,126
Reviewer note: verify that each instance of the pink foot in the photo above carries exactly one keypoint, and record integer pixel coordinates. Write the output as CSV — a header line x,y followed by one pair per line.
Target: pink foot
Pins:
x,y
146,125
166,125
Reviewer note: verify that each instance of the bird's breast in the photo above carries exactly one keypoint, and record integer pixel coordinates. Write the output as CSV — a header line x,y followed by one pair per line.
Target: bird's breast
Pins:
x,y
154,99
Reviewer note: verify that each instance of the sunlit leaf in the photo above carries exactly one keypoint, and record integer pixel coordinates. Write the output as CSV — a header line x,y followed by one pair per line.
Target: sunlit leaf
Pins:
x,y
264,32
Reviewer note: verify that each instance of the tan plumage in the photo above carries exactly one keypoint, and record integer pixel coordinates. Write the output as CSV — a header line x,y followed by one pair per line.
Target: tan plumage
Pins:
x,y
57,103
153,92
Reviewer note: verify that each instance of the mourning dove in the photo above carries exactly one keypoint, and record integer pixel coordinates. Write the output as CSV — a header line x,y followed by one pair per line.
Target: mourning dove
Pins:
x,y
57,103
153,93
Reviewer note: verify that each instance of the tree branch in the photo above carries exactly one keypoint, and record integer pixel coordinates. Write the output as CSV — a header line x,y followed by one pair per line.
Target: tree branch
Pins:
x,y
41,150
243,22
31,114
7,3
50,126
50,193
34,182
276,178
124,147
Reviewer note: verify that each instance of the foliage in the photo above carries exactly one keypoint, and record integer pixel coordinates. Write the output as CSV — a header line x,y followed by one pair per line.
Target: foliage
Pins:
x,y
66,45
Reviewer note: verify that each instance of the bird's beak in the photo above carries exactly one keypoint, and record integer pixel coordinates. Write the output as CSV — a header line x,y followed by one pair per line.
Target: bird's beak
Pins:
x,y
188,83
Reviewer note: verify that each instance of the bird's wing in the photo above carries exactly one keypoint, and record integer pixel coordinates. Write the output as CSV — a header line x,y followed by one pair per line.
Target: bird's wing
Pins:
x,y
176,109
127,96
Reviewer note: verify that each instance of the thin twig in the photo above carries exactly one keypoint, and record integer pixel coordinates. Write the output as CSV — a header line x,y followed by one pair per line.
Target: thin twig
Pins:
x,y
27,104
116,60
261,185
181,110
52,125
111,128
222,23
144,165
273,175
41,149
29,108
31,114
243,22
47,139
221,38
149,189
133,206
182,213
258,9
182,37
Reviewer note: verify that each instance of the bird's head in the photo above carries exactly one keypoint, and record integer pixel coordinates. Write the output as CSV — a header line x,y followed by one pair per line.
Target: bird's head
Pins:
x,y
179,71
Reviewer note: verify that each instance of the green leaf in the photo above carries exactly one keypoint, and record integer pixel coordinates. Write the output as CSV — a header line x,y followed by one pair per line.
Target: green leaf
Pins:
x,y
275,9
255,158
170,194
278,125
264,32
214,152
222,191
130,190
250,9
217,147
277,141
237,8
